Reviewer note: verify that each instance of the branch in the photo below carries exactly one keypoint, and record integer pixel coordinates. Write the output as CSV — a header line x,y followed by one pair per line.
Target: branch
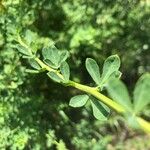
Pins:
x,y
145,125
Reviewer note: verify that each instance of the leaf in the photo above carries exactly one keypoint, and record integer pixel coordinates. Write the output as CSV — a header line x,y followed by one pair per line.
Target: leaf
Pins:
x,y
100,111
119,93
142,93
55,57
116,74
52,54
111,65
49,63
63,56
23,50
55,77
46,52
93,70
64,68
34,64
79,100
30,37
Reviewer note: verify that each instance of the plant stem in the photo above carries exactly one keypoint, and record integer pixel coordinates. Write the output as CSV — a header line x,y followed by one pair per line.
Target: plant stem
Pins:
x,y
87,89
145,125
44,66
98,95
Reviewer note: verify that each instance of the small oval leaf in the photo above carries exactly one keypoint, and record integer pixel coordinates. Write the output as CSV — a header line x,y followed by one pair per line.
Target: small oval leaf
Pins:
x,y
111,65
34,64
100,111
65,70
23,50
54,77
79,100
63,56
49,63
93,69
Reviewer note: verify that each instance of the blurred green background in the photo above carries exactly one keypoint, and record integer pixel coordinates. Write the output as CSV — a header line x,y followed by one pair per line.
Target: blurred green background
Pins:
x,y
34,111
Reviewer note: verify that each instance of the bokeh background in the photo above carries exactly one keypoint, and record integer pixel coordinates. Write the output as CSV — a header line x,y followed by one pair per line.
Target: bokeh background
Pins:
x,y
34,111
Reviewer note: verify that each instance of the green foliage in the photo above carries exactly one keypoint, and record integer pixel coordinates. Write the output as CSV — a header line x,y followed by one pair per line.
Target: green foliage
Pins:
x,y
118,91
23,50
34,64
79,100
111,65
64,68
55,77
100,111
110,69
93,70
141,93
31,107
53,57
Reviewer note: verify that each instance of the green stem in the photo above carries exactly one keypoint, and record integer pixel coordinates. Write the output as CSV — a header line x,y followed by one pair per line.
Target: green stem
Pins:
x,y
87,89
145,125
98,95
44,66
93,91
